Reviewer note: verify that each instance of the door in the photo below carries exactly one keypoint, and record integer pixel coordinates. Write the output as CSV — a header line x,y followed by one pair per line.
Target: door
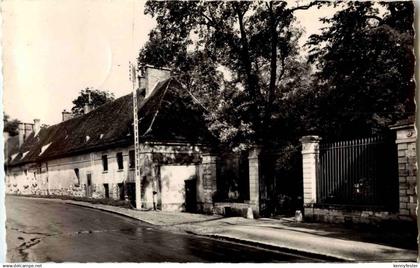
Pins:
x,y
191,195
89,185
131,192
173,194
106,189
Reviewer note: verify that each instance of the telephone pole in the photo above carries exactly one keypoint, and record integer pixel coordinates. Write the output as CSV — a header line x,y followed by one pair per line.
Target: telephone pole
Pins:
x,y
133,78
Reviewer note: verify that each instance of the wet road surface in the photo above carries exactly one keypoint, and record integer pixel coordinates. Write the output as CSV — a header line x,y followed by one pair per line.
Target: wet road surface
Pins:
x,y
40,230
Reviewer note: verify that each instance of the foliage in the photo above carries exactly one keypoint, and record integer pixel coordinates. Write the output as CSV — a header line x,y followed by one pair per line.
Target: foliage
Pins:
x,y
10,125
94,96
234,56
365,66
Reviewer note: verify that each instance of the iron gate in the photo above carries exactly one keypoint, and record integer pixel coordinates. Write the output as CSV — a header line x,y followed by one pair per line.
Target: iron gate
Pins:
x,y
361,172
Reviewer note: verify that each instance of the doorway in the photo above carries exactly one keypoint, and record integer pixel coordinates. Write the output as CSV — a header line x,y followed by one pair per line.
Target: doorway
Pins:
x,y
191,195
89,185
106,188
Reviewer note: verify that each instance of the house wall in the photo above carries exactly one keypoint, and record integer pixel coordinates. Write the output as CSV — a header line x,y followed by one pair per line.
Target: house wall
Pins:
x,y
27,179
63,179
171,156
58,177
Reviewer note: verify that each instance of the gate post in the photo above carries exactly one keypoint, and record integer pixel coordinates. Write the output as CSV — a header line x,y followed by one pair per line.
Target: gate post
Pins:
x,y
209,181
310,162
407,169
254,179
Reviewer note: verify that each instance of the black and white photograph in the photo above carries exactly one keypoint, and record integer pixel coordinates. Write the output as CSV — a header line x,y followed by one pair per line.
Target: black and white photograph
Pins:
x,y
209,132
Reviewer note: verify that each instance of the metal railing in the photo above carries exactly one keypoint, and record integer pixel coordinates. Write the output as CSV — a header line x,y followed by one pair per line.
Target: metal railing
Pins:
x,y
361,172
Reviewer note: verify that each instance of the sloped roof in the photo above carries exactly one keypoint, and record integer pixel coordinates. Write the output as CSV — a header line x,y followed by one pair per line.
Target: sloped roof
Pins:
x,y
167,115
170,114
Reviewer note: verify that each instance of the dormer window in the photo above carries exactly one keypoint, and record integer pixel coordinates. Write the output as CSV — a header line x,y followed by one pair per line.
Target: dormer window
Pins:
x,y
24,154
45,147
14,156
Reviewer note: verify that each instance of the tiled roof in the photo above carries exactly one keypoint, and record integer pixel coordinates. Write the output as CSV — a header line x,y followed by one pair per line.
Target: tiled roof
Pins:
x,y
167,115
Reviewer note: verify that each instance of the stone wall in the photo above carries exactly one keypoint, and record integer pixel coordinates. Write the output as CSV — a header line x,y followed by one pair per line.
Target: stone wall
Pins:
x,y
345,215
157,155
230,209
407,170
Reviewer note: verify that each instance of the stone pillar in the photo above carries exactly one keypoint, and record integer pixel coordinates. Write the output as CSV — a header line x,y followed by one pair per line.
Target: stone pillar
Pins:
x,y
407,169
254,179
310,161
209,184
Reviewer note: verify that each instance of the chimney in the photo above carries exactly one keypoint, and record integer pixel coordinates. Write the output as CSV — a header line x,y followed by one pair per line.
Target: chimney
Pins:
x,y
150,76
21,133
29,128
88,107
66,115
37,126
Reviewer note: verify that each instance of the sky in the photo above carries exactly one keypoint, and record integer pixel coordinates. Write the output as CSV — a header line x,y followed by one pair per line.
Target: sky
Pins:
x,y
53,49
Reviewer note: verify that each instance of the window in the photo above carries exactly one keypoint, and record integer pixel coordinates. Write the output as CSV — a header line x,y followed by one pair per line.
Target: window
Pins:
x,y
131,159
105,162
120,161
76,172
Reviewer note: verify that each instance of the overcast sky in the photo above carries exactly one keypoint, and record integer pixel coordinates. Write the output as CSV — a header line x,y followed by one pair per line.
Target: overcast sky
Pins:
x,y
53,49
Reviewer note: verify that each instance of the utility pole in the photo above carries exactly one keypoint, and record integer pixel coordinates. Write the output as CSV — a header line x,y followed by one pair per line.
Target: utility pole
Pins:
x,y
133,78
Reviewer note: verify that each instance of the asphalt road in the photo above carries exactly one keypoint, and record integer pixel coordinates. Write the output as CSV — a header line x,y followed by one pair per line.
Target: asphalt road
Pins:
x,y
39,230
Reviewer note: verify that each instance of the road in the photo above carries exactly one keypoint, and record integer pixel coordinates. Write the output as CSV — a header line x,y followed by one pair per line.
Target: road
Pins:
x,y
39,230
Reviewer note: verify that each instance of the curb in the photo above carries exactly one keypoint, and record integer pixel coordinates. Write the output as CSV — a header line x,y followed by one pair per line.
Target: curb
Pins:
x,y
318,256
309,254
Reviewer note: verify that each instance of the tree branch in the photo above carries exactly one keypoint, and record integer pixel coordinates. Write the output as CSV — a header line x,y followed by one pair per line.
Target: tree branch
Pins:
x,y
305,7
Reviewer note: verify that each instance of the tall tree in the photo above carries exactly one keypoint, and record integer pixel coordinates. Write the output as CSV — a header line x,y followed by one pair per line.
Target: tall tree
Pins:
x,y
10,125
255,43
93,96
365,64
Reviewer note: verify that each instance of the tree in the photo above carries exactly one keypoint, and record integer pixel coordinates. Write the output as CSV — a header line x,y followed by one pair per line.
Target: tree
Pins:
x,y
255,43
94,96
365,68
10,125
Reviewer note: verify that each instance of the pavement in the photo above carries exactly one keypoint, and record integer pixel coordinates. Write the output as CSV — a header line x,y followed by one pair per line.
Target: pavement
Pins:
x,y
41,230
332,242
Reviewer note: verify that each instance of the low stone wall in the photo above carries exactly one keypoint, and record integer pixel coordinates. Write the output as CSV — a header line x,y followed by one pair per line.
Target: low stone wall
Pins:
x,y
340,215
231,209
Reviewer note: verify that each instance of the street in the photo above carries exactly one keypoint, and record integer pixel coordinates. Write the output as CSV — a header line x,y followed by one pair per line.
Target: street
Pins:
x,y
39,230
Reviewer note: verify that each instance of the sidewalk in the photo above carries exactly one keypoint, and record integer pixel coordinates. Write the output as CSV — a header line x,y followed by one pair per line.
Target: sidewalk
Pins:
x,y
329,241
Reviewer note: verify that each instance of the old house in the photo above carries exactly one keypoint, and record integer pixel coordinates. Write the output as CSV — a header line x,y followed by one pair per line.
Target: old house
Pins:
x,y
92,155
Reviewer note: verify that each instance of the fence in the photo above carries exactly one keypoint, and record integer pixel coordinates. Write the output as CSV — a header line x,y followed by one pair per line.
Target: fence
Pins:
x,y
360,172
